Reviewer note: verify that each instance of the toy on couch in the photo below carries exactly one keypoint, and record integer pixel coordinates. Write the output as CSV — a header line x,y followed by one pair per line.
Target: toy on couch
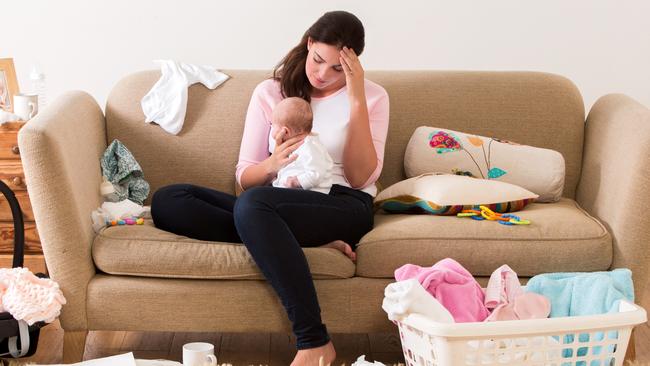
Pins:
x,y
487,214
133,220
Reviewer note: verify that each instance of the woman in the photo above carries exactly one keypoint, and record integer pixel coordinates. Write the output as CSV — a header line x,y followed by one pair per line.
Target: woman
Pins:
x,y
351,118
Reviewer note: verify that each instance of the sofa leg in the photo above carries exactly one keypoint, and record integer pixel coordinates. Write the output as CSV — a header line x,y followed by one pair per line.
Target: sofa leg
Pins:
x,y
74,343
630,355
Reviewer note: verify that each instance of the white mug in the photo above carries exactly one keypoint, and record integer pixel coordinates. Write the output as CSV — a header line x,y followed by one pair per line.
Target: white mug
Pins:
x,y
199,354
26,105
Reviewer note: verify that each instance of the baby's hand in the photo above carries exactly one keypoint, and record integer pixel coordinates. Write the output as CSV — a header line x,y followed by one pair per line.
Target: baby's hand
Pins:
x,y
292,182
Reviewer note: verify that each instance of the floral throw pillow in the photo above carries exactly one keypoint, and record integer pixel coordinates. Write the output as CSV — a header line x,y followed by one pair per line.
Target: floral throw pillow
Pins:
x,y
538,170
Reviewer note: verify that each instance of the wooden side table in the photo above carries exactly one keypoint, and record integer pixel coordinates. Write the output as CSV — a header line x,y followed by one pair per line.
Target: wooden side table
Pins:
x,y
11,172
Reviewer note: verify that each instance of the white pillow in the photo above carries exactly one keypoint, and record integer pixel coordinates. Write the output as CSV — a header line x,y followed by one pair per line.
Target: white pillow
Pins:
x,y
439,150
448,194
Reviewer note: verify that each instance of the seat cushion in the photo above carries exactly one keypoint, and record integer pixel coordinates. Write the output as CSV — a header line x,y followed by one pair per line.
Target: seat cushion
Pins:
x,y
562,237
150,252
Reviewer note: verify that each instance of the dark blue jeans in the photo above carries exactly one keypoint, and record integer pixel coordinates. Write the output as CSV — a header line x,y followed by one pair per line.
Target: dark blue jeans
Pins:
x,y
273,223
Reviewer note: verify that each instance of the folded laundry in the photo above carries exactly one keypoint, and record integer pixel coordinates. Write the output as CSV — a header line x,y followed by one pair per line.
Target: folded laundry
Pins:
x,y
407,297
166,102
29,298
452,285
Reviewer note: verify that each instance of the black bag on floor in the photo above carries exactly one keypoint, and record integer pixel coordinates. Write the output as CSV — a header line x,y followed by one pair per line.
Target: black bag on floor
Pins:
x,y
17,339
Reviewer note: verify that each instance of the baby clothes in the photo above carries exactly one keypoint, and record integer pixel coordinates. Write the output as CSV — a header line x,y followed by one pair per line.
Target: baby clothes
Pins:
x,y
121,169
313,167
503,287
407,297
166,102
452,285
508,300
29,298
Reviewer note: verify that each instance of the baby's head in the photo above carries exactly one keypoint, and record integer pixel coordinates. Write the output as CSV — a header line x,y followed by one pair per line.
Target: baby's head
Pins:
x,y
292,114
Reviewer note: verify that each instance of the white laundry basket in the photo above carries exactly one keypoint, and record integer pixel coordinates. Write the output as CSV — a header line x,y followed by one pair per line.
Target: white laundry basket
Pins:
x,y
597,340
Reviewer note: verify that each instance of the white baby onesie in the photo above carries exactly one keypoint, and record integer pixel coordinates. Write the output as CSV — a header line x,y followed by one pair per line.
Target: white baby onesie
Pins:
x,y
313,167
166,102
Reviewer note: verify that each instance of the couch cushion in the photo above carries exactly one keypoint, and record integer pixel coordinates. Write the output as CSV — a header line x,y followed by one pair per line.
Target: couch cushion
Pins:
x,y
562,237
150,252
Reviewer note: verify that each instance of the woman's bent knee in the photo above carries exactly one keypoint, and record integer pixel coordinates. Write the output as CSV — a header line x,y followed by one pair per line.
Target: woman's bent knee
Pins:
x,y
165,202
250,199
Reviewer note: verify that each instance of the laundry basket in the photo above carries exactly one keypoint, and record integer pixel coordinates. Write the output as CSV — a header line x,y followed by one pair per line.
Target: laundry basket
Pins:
x,y
596,340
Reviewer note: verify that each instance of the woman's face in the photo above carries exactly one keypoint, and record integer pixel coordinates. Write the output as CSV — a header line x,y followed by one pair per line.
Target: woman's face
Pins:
x,y
323,67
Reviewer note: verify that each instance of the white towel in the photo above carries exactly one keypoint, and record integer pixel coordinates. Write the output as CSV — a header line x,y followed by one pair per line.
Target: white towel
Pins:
x,y
407,297
166,102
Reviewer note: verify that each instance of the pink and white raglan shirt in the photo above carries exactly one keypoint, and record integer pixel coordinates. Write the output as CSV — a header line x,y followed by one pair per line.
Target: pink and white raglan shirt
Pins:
x,y
331,118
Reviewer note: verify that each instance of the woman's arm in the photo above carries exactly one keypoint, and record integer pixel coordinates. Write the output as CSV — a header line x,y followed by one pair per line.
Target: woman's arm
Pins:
x,y
254,144
363,152
264,172
255,166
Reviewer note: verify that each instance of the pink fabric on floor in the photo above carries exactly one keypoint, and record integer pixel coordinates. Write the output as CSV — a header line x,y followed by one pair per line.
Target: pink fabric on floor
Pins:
x,y
452,285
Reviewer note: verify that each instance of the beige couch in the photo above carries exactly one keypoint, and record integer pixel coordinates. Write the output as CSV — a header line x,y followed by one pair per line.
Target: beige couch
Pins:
x,y
145,279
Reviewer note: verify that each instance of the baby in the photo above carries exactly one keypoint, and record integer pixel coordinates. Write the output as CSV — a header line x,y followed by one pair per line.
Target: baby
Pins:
x,y
312,169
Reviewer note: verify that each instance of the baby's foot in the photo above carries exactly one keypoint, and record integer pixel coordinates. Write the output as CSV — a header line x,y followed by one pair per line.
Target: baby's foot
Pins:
x,y
343,247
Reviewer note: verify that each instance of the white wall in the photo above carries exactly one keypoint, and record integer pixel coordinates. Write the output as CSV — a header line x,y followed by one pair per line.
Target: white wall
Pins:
x,y
603,46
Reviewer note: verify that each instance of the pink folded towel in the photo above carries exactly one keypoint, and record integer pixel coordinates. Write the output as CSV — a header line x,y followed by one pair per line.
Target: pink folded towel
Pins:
x,y
29,298
452,285
505,295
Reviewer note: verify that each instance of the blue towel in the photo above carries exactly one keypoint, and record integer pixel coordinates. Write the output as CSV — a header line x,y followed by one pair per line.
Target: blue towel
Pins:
x,y
581,293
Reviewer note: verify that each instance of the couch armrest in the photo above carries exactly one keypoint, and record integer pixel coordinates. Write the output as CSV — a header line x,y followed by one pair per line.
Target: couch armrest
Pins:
x,y
615,180
60,150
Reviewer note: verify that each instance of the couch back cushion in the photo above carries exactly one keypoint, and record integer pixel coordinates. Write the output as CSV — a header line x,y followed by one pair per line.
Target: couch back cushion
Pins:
x,y
531,108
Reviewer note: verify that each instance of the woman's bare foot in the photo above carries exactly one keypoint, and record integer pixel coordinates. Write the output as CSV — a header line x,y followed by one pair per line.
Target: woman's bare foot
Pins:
x,y
343,247
312,356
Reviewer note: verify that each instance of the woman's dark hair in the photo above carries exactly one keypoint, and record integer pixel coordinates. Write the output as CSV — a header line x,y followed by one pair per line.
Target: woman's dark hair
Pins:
x,y
335,28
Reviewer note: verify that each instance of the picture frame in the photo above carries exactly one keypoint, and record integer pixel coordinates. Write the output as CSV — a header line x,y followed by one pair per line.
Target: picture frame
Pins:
x,y
8,84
